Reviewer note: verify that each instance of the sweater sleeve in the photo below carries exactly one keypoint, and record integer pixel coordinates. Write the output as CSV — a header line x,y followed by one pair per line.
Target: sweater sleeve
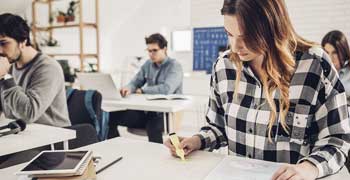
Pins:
x,y
30,104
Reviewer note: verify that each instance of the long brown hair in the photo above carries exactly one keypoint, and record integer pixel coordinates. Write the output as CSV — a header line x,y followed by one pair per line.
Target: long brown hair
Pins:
x,y
268,30
338,40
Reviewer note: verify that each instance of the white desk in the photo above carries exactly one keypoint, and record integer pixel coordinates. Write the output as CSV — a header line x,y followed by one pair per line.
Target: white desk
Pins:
x,y
139,102
144,160
35,135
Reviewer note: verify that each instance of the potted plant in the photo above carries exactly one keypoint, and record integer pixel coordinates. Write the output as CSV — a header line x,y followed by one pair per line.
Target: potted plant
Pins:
x,y
70,15
61,17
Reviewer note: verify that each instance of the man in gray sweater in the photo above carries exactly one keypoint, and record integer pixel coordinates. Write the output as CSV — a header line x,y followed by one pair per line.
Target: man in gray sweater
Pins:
x,y
31,84
158,75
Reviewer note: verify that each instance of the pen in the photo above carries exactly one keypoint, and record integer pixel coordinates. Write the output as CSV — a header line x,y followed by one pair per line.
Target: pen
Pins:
x,y
110,164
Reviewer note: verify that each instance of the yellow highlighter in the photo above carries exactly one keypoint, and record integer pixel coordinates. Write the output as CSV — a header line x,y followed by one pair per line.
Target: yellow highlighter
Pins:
x,y
175,141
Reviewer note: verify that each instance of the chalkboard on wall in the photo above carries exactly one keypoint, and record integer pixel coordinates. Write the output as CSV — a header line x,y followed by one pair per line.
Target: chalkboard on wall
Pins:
x,y
206,44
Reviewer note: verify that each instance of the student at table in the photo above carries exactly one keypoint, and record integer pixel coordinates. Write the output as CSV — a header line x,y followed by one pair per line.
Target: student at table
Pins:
x,y
31,83
337,47
158,75
274,96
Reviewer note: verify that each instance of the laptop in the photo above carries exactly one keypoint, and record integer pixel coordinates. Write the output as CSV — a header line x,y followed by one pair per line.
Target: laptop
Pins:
x,y
57,163
100,82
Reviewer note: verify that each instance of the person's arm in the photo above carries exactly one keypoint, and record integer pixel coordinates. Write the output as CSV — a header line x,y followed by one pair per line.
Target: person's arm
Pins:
x,y
30,104
5,66
0,104
331,145
139,79
173,80
213,136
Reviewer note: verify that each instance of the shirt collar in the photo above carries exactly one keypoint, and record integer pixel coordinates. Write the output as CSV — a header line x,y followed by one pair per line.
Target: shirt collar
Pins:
x,y
164,61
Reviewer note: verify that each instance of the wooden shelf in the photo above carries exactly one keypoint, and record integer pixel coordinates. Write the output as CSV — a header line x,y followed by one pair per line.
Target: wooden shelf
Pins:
x,y
45,1
66,26
80,25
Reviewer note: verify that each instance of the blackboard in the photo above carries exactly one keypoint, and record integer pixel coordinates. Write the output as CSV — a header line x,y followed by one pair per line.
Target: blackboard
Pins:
x,y
206,44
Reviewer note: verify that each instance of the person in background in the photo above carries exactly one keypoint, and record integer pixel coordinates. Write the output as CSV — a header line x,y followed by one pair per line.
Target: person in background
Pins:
x,y
274,96
337,47
158,75
31,83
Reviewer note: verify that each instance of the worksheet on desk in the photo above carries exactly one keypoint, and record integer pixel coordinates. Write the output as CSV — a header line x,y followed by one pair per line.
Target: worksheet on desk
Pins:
x,y
234,168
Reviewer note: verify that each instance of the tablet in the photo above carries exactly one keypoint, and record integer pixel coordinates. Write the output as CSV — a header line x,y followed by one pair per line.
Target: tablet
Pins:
x,y
57,163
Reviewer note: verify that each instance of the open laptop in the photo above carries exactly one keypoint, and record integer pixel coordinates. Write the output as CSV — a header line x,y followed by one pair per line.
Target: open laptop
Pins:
x,y
100,82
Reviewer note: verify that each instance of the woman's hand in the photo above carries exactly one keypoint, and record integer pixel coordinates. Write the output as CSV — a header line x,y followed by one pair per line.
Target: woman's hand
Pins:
x,y
188,144
302,171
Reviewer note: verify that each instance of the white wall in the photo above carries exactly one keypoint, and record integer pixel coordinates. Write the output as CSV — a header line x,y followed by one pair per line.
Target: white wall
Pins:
x,y
124,24
206,13
312,18
14,6
123,34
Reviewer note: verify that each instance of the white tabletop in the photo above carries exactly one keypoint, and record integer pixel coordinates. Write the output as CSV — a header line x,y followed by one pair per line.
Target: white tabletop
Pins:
x,y
144,160
139,102
35,135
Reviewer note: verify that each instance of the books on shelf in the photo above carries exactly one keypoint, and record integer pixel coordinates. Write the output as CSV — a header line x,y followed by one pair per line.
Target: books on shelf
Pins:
x,y
168,97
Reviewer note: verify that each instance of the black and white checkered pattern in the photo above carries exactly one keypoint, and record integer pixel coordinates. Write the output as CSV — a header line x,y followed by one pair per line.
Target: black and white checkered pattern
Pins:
x,y
318,120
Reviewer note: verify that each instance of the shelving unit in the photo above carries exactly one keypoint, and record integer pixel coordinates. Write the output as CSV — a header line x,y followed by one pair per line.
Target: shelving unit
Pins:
x,y
80,25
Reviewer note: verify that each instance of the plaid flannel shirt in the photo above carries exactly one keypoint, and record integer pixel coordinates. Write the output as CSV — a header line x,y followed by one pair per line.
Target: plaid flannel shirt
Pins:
x,y
318,120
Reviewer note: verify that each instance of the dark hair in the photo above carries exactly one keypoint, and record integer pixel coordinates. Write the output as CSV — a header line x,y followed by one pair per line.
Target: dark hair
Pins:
x,y
157,39
338,40
229,7
14,27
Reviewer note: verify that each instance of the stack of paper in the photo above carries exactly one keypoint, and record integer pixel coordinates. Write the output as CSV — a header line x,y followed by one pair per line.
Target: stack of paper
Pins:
x,y
236,168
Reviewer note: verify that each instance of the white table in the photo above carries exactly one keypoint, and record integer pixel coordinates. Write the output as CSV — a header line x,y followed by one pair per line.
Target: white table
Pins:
x,y
139,102
35,135
144,160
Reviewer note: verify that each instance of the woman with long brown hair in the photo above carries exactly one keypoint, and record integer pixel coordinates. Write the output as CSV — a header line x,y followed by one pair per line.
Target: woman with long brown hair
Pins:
x,y
274,96
337,47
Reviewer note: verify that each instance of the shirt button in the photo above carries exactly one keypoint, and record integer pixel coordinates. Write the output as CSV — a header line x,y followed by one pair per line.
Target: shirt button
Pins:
x,y
288,120
255,106
249,155
250,130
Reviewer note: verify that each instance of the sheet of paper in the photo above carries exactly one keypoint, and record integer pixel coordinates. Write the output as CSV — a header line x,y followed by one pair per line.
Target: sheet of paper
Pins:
x,y
236,168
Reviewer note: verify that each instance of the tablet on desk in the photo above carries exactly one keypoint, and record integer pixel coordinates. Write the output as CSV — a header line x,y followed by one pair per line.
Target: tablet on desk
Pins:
x,y
57,163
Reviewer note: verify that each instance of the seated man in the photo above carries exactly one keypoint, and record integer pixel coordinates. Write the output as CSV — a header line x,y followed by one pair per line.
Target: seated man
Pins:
x,y
159,75
31,83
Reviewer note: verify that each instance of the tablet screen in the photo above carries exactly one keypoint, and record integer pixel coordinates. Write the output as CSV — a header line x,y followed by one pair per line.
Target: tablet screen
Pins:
x,y
58,160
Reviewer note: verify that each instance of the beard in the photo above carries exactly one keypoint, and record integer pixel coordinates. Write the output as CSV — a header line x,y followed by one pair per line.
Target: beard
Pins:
x,y
13,60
